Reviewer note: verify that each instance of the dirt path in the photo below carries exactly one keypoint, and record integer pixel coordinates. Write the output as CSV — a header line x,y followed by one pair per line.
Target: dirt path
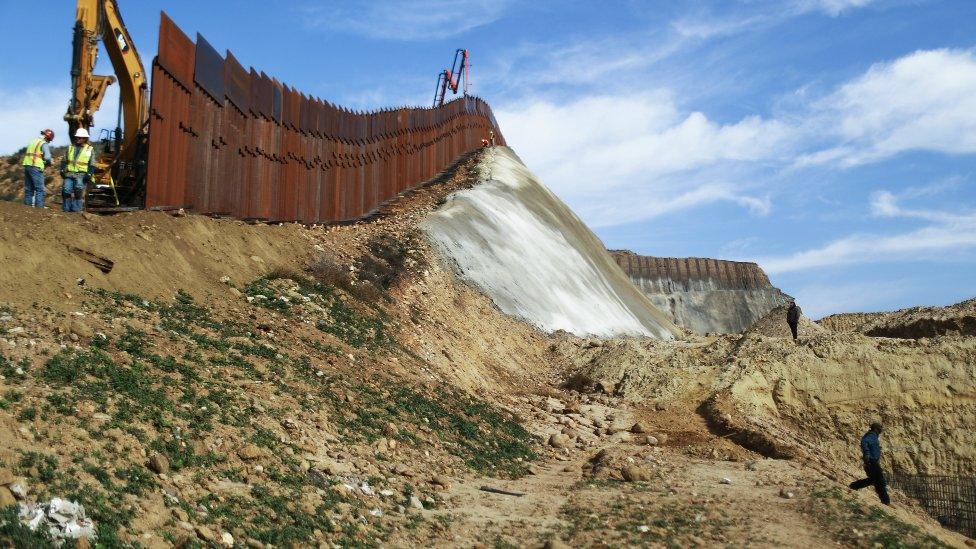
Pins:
x,y
577,497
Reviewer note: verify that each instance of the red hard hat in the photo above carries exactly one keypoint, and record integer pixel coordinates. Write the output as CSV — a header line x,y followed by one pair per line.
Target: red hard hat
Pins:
x,y
48,134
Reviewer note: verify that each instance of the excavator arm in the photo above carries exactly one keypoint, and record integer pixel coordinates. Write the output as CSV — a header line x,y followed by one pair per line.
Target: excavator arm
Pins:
x,y
122,162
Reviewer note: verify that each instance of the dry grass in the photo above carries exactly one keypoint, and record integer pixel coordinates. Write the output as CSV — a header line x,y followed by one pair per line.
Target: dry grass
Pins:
x,y
333,274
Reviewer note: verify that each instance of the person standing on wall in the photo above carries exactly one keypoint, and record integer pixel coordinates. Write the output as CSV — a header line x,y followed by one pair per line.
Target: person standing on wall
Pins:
x,y
793,318
76,168
871,453
37,157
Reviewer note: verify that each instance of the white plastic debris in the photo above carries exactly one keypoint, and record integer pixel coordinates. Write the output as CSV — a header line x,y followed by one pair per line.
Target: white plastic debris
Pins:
x,y
63,519
643,528
32,517
726,480
18,489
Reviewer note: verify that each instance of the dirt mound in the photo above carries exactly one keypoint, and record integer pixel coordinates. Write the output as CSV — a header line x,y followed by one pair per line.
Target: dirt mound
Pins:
x,y
774,325
849,322
917,322
912,323
659,372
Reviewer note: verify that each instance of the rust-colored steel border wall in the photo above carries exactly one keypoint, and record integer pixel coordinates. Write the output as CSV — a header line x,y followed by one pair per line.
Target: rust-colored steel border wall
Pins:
x,y
225,140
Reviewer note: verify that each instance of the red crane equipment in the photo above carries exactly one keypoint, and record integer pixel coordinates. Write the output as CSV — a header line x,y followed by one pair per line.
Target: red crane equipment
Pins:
x,y
451,78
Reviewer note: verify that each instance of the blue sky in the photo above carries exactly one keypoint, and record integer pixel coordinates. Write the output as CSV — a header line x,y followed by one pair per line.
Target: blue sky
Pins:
x,y
832,141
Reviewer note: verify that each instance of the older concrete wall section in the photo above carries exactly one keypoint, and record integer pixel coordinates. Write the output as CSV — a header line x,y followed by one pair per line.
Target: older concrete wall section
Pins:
x,y
703,295
518,243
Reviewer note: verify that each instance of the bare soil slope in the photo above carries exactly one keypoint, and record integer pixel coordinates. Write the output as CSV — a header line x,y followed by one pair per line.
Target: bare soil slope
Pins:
x,y
228,384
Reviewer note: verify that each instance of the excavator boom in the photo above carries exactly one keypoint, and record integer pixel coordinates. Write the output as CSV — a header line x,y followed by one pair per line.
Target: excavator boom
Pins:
x,y
100,20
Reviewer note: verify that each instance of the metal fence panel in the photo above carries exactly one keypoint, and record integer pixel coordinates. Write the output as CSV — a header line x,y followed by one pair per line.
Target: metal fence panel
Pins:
x,y
230,141
208,69
176,52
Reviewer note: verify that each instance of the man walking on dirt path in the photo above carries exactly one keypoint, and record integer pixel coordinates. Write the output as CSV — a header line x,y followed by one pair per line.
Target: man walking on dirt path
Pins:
x,y
793,318
37,157
871,450
77,166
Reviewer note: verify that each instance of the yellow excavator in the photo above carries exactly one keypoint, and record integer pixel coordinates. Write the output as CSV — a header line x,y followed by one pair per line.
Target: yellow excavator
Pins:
x,y
118,182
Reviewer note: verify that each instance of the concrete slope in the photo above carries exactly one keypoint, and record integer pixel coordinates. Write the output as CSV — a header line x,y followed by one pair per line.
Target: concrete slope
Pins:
x,y
524,248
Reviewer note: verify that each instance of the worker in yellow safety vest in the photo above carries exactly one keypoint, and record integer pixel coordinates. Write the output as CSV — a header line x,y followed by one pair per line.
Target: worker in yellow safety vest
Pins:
x,y
37,157
76,168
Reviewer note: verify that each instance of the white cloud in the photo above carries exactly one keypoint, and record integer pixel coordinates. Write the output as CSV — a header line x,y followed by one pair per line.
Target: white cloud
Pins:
x,y
946,233
703,29
818,300
922,101
619,158
832,8
870,248
595,62
24,113
625,157
883,204
404,19
760,15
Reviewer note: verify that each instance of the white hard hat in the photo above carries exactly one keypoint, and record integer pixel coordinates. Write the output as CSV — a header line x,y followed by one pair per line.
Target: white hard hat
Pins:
x,y
82,132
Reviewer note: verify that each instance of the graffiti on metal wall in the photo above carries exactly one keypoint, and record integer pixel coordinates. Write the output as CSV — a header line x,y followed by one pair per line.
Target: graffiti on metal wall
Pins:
x,y
225,140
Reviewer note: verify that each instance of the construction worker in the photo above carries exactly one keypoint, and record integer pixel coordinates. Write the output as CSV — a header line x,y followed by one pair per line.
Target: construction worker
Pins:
x,y
37,157
491,137
76,168
871,454
793,318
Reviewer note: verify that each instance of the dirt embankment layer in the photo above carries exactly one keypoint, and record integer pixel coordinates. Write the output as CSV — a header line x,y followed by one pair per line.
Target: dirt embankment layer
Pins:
x,y
911,323
49,257
813,399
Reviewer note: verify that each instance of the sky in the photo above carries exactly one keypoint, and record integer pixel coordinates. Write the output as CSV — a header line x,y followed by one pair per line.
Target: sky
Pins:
x,y
831,141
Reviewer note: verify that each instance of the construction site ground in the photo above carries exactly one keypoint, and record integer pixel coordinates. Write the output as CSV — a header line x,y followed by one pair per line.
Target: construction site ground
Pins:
x,y
208,382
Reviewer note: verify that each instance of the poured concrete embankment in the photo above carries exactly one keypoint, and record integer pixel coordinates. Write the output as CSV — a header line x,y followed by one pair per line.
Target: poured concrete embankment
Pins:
x,y
518,243
704,295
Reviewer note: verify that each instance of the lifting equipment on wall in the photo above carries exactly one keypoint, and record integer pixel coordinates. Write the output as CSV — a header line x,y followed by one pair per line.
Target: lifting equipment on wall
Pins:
x,y
451,78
